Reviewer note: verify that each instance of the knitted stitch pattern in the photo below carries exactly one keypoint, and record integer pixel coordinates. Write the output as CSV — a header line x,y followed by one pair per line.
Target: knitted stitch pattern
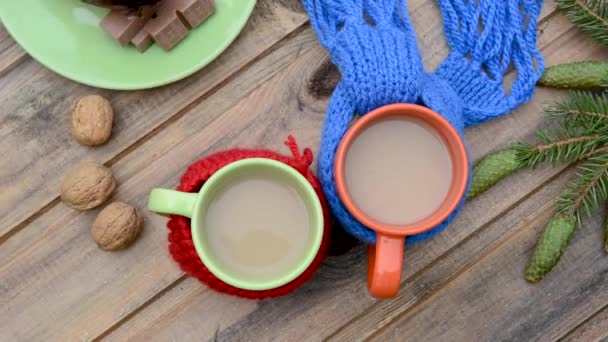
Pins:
x,y
181,246
373,43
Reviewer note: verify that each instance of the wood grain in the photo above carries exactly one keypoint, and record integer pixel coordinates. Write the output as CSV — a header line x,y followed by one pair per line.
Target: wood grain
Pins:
x,y
285,83
36,104
53,268
43,256
209,313
35,98
501,198
336,306
10,53
291,312
595,329
492,301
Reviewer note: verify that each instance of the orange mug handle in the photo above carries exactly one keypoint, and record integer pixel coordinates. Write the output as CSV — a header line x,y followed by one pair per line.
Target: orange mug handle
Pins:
x,y
384,265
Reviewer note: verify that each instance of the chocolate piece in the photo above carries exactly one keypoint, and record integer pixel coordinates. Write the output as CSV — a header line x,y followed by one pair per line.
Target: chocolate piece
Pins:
x,y
194,11
142,40
166,24
123,27
166,28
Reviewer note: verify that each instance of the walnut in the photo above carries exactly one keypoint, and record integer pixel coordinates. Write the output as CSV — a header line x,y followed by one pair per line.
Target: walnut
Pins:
x,y
92,118
88,186
117,226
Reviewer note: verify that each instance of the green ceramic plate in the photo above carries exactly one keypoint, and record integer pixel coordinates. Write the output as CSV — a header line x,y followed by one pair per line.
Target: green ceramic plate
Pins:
x,y
64,35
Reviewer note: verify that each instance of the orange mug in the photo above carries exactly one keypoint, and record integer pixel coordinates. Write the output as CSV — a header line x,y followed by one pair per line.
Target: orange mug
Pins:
x,y
385,259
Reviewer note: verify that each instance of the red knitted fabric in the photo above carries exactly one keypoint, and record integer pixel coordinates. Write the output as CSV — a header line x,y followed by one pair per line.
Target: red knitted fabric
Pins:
x,y
181,246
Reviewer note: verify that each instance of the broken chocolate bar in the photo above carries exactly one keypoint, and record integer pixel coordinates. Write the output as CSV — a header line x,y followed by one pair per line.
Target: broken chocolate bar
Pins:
x,y
124,26
142,40
166,24
166,28
194,11
175,18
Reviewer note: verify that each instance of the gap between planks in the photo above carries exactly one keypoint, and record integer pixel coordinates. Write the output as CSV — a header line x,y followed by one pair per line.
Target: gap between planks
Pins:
x,y
33,104
12,54
254,76
494,301
360,316
345,329
485,252
594,328
120,154
522,199
168,122
137,310
468,266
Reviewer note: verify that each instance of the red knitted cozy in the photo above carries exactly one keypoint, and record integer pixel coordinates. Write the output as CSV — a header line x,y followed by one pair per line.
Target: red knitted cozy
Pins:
x,y
181,246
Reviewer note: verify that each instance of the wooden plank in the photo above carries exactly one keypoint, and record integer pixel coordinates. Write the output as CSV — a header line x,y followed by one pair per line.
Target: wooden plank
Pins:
x,y
10,52
53,268
155,269
335,305
208,313
477,214
336,295
595,328
29,186
491,300
35,116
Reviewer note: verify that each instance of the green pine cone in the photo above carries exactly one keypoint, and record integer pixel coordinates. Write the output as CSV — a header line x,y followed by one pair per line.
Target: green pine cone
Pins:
x,y
549,247
492,168
579,75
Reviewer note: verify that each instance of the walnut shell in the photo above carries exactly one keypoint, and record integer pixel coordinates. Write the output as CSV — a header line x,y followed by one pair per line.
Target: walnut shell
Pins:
x,y
117,226
88,186
92,118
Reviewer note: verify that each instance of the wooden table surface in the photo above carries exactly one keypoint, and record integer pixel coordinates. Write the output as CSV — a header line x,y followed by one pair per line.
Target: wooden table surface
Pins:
x,y
466,284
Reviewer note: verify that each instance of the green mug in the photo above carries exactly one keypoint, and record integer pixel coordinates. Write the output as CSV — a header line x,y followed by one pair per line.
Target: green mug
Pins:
x,y
195,206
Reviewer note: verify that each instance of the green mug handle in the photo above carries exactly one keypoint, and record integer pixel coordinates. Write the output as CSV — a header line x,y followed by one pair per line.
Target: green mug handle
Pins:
x,y
165,201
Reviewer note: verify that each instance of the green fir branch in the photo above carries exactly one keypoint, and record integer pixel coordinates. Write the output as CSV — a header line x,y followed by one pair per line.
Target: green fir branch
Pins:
x,y
560,145
582,109
594,153
590,16
587,190
582,137
583,130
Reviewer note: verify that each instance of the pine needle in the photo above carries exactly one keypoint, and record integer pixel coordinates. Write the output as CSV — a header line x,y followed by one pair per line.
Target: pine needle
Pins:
x,y
590,15
583,130
587,190
559,145
594,153
581,137
583,109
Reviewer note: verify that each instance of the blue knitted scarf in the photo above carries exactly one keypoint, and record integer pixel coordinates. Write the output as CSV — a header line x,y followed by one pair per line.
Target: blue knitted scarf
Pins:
x,y
373,43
